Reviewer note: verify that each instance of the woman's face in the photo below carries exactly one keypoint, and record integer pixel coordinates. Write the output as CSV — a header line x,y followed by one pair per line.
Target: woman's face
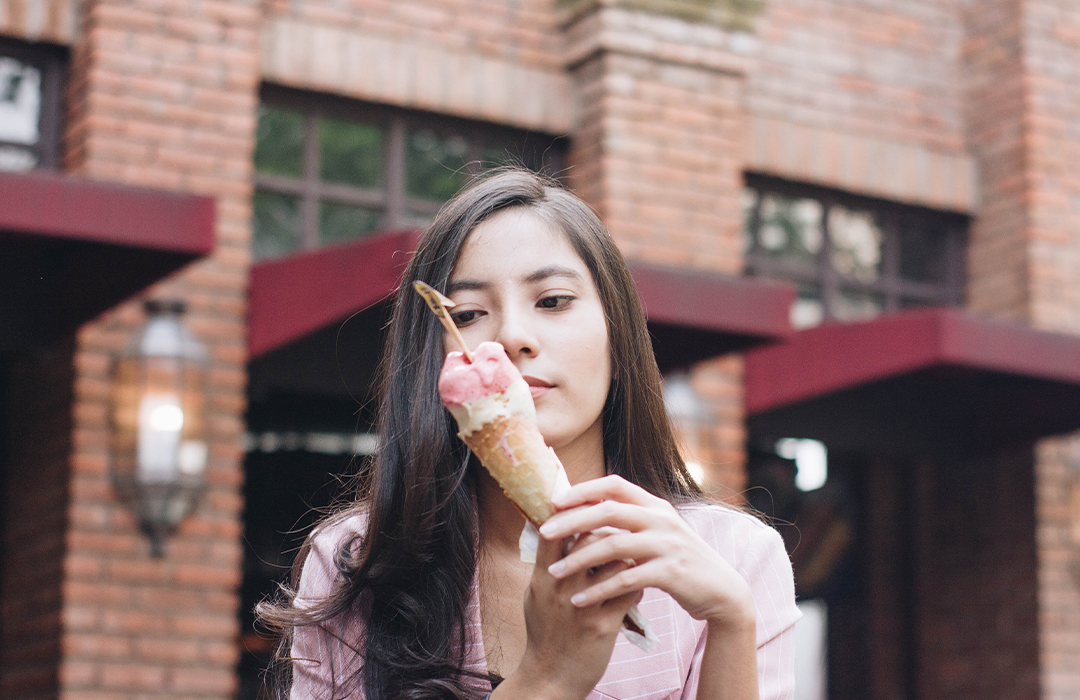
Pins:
x,y
519,282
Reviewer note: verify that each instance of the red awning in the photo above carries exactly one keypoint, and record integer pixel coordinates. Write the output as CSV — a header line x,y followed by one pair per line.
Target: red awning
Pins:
x,y
295,296
71,248
695,315
692,316
919,382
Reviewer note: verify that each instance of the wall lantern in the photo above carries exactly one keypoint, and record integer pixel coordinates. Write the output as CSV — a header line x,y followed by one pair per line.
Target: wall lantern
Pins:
x,y
159,446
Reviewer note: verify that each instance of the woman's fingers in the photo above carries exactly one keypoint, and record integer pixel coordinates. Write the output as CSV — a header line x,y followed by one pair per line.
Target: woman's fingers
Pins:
x,y
628,582
611,487
615,548
609,513
622,603
548,551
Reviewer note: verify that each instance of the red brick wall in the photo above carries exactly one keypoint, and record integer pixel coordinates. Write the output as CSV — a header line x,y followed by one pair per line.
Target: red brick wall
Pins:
x,y
1053,41
889,560
991,63
866,67
657,153
522,31
977,591
36,443
1052,91
952,590
664,141
1052,87
162,95
1022,63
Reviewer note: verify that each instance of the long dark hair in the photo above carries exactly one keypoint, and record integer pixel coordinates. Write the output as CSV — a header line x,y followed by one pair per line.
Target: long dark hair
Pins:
x,y
413,568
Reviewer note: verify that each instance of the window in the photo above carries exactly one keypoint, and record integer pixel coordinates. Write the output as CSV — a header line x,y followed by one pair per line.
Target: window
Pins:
x,y
851,257
30,105
329,169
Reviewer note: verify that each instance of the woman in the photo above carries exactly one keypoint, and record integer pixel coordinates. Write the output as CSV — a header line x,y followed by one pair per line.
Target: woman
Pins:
x,y
416,591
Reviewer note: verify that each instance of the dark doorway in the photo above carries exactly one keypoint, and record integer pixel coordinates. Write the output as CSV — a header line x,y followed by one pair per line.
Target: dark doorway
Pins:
x,y
309,431
926,567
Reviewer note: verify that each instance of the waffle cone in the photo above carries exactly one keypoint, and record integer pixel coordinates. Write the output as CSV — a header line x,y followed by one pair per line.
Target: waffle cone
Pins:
x,y
514,453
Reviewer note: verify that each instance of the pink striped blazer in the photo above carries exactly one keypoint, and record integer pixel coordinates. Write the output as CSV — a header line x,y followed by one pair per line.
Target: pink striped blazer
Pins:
x,y
326,658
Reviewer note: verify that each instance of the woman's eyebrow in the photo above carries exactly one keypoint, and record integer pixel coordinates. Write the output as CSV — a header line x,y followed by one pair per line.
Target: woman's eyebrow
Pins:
x,y
532,278
466,284
552,271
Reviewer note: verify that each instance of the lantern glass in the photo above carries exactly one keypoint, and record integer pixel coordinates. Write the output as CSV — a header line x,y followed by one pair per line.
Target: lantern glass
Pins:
x,y
159,444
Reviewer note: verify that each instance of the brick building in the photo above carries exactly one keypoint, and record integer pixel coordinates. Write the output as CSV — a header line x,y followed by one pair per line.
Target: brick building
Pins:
x,y
268,164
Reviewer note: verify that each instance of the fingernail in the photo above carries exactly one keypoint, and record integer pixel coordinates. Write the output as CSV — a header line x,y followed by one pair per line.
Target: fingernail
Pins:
x,y
559,500
548,529
578,599
557,569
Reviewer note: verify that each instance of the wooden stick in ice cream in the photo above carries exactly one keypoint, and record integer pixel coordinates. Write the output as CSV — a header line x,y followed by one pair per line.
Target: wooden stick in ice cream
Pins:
x,y
439,303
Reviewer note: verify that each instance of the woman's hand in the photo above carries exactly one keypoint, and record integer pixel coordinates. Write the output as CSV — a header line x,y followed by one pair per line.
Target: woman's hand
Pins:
x,y
568,646
664,551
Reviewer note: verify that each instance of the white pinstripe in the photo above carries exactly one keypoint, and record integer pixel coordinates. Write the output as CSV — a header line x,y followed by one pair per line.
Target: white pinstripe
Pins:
x,y
671,671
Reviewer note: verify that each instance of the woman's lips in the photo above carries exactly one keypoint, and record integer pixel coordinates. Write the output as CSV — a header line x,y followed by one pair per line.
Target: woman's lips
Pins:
x,y
537,387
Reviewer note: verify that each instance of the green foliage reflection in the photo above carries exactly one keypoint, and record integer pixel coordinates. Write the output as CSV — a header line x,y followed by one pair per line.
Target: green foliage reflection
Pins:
x,y
279,142
435,167
276,224
351,154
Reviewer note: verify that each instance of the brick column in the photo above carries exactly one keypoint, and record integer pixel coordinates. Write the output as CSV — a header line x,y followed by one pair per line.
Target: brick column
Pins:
x,y
1022,67
36,413
658,153
993,81
1052,139
162,94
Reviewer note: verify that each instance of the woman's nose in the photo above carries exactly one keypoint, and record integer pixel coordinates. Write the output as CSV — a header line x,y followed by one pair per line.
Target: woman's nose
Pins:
x,y
517,337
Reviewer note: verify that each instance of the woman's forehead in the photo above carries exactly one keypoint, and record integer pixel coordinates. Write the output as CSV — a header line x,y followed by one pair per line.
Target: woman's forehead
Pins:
x,y
519,244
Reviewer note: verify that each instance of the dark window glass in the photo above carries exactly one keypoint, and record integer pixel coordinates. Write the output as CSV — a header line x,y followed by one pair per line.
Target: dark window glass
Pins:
x,y
749,201
857,305
856,243
851,257
789,228
342,222
436,167
922,253
30,85
417,219
276,224
329,170
279,142
351,153
808,309
914,302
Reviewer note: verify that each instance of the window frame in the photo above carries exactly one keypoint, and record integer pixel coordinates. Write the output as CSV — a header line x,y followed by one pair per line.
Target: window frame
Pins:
x,y
392,198
51,61
890,216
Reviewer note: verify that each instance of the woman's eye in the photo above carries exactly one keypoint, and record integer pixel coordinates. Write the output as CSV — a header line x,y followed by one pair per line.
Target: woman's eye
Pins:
x,y
464,318
557,302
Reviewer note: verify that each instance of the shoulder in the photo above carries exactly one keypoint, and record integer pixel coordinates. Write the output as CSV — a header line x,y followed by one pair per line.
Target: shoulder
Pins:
x,y
732,532
319,572
757,552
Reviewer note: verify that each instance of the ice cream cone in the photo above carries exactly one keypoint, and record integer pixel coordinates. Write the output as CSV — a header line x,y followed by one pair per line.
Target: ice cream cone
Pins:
x,y
513,451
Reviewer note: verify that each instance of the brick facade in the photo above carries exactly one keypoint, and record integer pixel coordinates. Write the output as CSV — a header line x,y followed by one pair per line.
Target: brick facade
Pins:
x,y
1051,32
162,95
1021,66
657,154
37,394
842,89
969,107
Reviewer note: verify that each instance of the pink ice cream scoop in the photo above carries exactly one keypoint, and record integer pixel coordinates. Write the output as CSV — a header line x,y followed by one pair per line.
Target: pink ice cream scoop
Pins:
x,y
491,372
497,420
